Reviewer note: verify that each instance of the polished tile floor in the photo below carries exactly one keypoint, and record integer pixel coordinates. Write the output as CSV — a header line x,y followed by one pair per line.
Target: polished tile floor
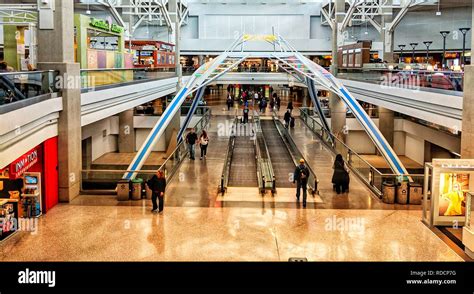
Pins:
x,y
115,233
199,225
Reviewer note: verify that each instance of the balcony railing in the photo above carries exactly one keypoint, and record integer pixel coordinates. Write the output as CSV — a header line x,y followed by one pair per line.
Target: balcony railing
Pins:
x,y
92,79
20,86
436,81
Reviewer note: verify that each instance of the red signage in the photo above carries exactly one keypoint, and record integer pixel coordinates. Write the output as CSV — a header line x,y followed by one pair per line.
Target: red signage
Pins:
x,y
22,164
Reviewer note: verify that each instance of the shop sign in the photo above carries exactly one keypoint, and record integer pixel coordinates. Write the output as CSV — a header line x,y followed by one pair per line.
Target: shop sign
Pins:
x,y
116,29
100,24
166,47
22,164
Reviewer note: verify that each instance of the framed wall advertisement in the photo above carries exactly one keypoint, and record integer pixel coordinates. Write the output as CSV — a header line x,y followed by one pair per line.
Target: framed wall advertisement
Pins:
x,y
450,181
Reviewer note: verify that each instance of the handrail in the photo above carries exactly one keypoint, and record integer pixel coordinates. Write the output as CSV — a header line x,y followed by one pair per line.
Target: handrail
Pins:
x,y
228,160
374,179
303,111
7,73
265,166
296,154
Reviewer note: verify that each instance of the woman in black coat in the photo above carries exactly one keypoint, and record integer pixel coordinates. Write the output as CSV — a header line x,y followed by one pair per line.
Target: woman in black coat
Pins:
x,y
340,178
157,185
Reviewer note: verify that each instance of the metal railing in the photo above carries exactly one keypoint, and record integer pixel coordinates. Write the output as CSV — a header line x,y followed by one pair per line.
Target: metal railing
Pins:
x,y
18,86
169,166
296,155
92,79
264,163
410,79
228,160
370,176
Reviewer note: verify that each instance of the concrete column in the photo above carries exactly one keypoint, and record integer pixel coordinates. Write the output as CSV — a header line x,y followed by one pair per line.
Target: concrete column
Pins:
x,y
56,52
126,138
338,108
174,126
386,124
467,135
173,12
386,35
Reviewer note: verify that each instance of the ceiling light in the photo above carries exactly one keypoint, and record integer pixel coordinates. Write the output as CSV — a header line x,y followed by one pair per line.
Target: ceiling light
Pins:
x,y
88,12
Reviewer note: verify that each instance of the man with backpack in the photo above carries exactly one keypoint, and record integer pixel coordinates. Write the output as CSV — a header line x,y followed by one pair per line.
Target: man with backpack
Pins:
x,y
301,176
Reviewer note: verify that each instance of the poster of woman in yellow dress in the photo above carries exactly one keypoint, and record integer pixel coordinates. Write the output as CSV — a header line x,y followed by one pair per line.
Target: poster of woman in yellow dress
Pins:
x,y
453,188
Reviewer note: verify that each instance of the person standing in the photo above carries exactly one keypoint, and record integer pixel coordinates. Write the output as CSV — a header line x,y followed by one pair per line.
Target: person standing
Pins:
x,y
287,118
191,140
301,176
277,102
230,101
157,184
203,141
340,178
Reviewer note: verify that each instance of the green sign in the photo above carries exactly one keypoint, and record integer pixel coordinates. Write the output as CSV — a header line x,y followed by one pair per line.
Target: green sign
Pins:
x,y
105,25
116,29
100,24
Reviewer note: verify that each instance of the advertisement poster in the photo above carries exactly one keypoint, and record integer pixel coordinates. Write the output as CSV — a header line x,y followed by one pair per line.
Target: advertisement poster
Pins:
x,y
452,194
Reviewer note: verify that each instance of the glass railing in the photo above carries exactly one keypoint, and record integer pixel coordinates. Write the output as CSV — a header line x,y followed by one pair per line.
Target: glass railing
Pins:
x,y
18,86
96,180
370,176
438,81
99,78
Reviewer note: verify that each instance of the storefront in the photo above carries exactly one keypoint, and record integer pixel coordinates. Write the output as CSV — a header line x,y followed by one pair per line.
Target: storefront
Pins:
x,y
29,185
149,53
100,48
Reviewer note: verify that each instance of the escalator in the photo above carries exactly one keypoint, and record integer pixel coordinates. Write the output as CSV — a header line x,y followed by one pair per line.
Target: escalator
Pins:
x,y
243,166
282,162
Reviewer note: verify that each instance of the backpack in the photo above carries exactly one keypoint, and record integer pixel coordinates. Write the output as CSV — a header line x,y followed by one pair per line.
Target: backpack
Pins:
x,y
303,173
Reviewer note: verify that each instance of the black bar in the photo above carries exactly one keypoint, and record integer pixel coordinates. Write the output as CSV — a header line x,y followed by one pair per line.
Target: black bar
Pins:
x,y
271,274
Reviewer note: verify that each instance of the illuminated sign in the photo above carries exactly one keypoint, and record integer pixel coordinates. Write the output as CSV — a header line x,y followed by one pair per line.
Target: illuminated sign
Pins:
x,y
116,29
22,164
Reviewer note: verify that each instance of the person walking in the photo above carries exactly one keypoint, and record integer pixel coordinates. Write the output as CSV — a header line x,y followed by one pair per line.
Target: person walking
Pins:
x,y
191,140
246,115
277,102
157,184
301,176
230,101
203,142
290,106
340,178
287,118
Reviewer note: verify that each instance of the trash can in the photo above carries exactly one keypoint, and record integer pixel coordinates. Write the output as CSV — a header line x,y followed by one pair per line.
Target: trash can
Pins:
x,y
148,192
402,193
415,194
388,192
123,190
137,189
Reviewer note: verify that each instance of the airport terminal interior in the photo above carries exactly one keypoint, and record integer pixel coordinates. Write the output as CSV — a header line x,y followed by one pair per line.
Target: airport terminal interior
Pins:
x,y
236,130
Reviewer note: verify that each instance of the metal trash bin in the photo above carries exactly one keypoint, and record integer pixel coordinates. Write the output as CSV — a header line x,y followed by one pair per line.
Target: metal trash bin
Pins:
x,y
402,193
415,194
137,189
388,192
123,190
148,192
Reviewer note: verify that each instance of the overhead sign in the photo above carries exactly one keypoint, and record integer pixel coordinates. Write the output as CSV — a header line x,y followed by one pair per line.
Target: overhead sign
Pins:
x,y
22,164
105,25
